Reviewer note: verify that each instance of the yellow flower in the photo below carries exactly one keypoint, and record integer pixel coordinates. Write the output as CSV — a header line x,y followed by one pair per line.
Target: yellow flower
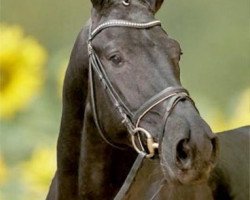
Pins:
x,y
21,69
38,171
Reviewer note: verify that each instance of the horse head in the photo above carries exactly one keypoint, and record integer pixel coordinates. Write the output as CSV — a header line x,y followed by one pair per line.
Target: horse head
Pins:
x,y
140,65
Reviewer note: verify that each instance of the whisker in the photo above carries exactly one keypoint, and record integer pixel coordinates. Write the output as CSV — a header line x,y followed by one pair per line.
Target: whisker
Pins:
x,y
159,189
156,174
165,164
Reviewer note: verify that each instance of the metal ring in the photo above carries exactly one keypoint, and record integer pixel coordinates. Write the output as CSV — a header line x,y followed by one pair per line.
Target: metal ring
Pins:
x,y
151,145
125,2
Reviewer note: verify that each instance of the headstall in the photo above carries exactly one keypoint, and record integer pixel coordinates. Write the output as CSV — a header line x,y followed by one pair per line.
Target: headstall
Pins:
x,y
130,119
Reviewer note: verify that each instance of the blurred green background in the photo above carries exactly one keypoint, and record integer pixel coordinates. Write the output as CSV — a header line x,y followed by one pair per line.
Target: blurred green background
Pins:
x,y
36,39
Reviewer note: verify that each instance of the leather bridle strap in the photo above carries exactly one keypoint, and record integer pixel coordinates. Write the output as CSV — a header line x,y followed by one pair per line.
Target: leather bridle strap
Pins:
x,y
155,100
122,23
130,178
130,119
93,106
173,99
171,105
96,65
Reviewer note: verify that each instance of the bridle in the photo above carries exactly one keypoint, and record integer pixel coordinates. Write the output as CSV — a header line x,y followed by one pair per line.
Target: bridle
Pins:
x,y
130,119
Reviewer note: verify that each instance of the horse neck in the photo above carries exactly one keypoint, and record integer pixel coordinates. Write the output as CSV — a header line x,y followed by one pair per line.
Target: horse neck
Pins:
x,y
102,168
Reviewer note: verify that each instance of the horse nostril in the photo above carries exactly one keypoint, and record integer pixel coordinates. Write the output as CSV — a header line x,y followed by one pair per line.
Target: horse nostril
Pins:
x,y
183,154
181,151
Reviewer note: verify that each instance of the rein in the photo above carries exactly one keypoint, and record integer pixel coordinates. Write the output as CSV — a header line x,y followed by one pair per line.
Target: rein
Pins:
x,y
130,119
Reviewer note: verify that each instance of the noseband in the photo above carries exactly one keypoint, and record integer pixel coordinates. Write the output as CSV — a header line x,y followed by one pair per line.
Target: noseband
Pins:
x,y
130,119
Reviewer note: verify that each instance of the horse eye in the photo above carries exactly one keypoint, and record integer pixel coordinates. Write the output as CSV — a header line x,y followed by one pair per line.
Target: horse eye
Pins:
x,y
116,59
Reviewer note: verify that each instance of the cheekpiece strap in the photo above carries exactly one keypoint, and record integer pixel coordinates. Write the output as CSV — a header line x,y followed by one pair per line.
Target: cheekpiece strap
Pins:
x,y
158,98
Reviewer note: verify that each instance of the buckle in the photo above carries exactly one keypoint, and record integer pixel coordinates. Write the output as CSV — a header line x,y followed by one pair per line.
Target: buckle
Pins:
x,y
151,145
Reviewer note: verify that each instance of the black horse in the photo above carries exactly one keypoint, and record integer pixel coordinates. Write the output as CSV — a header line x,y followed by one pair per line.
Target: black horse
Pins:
x,y
228,180
123,82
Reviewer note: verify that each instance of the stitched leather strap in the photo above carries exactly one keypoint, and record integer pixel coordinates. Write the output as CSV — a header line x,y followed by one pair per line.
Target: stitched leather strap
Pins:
x,y
130,178
122,23
163,95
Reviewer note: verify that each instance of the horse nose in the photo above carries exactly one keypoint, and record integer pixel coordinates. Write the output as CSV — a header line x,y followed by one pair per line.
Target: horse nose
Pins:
x,y
192,149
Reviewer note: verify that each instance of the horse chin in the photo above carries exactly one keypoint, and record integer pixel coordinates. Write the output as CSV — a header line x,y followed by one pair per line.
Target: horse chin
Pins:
x,y
185,177
192,177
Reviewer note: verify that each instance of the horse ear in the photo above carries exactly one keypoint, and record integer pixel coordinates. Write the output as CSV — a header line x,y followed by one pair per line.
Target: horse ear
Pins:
x,y
97,4
155,5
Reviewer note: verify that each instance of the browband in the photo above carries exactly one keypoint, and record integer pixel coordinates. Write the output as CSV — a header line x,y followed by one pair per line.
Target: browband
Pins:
x,y
122,23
